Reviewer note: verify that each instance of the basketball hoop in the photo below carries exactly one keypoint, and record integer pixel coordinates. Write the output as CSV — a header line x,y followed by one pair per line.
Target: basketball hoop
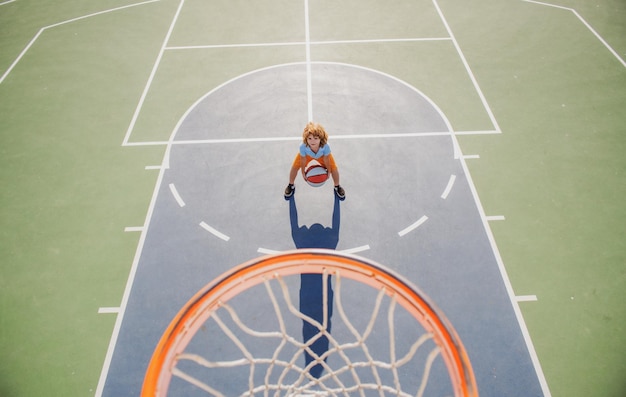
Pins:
x,y
268,361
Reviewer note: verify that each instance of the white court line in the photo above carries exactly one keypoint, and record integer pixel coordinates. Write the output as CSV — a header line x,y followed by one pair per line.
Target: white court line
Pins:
x,y
393,135
505,278
129,283
467,68
30,44
370,41
347,251
507,284
471,156
335,137
214,231
267,251
147,143
494,218
356,249
615,54
309,86
236,140
220,46
133,229
301,43
179,199
526,298
478,132
413,226
108,310
448,188
153,167
6,2
144,94
284,139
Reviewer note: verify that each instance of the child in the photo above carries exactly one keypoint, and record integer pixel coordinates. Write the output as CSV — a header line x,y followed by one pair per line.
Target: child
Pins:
x,y
314,146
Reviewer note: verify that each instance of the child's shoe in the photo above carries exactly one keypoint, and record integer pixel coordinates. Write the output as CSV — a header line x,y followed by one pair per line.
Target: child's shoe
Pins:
x,y
340,193
289,191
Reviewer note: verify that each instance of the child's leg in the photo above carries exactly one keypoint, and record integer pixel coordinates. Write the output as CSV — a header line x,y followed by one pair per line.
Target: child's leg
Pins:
x,y
335,175
329,161
292,175
334,171
295,166
339,191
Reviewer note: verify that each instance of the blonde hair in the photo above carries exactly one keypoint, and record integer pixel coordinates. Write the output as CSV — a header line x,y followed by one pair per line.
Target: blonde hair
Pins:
x,y
317,130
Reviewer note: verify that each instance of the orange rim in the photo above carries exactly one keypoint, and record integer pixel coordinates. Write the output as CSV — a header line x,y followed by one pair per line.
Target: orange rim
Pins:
x,y
199,308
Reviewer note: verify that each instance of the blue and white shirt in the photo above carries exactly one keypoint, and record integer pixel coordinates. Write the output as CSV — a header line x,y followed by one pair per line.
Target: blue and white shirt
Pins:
x,y
306,151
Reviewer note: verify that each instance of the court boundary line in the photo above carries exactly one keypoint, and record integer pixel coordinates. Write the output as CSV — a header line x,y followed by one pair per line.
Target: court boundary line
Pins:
x,y
129,284
591,29
104,372
40,32
496,252
507,284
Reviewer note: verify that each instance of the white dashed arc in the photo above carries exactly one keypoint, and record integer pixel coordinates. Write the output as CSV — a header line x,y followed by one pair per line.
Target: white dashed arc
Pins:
x,y
208,122
262,250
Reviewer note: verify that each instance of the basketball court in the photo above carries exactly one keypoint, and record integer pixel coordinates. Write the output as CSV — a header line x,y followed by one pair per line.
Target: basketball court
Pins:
x,y
208,100
410,205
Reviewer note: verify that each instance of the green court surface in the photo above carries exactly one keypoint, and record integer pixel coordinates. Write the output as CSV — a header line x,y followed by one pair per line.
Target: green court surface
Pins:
x,y
90,92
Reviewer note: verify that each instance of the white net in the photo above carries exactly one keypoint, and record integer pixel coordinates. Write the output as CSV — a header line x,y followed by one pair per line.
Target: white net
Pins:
x,y
309,323
342,361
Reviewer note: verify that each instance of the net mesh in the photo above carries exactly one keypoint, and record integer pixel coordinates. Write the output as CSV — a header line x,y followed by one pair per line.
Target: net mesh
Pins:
x,y
354,370
309,323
